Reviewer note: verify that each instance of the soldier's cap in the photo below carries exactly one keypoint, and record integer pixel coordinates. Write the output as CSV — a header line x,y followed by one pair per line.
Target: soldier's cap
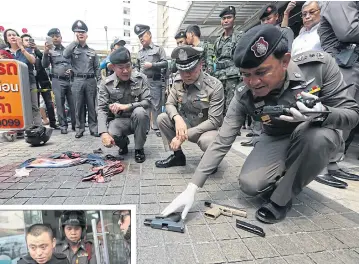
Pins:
x,y
187,57
79,26
229,10
54,31
120,56
141,29
268,10
256,45
180,34
120,42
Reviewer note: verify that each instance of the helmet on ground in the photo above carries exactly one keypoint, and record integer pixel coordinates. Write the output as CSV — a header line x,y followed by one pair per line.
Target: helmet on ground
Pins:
x,y
37,135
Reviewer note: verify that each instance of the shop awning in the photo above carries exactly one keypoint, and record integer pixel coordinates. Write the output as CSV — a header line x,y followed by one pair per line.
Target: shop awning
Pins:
x,y
205,14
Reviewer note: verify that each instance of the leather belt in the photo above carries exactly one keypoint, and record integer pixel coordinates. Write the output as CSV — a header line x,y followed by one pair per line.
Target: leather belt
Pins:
x,y
65,78
87,76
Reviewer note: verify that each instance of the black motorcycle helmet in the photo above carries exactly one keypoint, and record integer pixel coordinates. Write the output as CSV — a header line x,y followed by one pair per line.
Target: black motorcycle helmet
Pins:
x,y
72,218
37,135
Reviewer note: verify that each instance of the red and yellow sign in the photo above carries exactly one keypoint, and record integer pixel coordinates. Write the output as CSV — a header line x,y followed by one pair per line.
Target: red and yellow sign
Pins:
x,y
11,110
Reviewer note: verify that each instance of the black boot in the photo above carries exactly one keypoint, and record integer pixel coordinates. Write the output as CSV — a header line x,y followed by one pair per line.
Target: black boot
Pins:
x,y
79,134
140,155
176,159
329,180
343,174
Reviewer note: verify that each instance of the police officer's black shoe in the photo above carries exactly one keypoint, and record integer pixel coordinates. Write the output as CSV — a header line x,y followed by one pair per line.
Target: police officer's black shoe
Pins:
x,y
63,130
79,134
73,128
171,161
329,180
247,144
54,126
340,173
95,134
158,133
123,151
272,213
140,155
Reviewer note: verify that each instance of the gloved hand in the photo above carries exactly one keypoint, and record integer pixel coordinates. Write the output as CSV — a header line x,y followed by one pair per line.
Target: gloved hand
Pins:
x,y
299,117
186,198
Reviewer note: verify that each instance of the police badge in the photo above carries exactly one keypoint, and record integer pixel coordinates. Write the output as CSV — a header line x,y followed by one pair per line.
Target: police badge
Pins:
x,y
79,24
260,47
182,55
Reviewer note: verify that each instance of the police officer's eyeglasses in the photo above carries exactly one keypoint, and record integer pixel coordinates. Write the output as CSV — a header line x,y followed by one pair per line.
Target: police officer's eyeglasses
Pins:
x,y
311,12
121,215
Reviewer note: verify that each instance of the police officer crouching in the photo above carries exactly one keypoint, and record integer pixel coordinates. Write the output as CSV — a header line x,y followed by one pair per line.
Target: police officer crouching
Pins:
x,y
123,99
41,243
194,107
73,231
296,144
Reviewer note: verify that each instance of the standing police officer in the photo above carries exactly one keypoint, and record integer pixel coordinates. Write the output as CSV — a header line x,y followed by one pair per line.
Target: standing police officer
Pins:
x,y
194,108
294,147
151,59
61,76
73,231
224,46
126,94
85,66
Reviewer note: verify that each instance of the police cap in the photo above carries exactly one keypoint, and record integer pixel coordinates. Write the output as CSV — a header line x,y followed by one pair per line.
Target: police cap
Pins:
x,y
141,29
120,56
229,10
120,42
187,57
53,31
256,45
268,10
79,26
180,34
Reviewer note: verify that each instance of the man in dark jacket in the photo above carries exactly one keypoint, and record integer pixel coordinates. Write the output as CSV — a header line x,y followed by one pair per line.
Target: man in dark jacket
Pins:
x,y
41,243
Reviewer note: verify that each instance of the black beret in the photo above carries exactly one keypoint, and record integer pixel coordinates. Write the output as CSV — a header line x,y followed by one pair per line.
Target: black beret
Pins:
x,y
187,57
120,42
255,46
79,26
141,29
180,34
268,10
53,31
229,10
120,56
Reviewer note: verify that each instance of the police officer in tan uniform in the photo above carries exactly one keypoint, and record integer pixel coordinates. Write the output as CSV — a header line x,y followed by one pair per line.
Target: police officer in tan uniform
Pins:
x,y
123,98
194,107
73,231
294,146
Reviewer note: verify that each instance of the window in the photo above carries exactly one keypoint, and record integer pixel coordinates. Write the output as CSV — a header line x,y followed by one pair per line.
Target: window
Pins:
x,y
126,22
127,2
126,11
127,33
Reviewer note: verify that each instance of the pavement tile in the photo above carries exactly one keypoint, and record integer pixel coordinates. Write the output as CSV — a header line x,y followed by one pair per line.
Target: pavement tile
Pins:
x,y
260,248
348,237
68,185
321,208
328,241
145,183
165,189
92,200
200,233
306,243
131,190
305,224
117,183
152,255
79,192
36,201
29,179
84,185
208,253
45,193
97,191
53,185
149,209
111,199
324,258
272,261
18,186
324,222
342,221
305,210
74,200
130,199
182,254
284,246
16,201
298,259
176,238
148,237
223,231
235,250
63,193
149,198
26,194
195,218
5,186
352,217
7,194
112,191
148,189
337,207
347,256
36,186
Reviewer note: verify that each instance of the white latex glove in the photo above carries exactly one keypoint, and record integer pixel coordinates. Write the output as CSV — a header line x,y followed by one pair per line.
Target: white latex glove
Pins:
x,y
299,117
185,199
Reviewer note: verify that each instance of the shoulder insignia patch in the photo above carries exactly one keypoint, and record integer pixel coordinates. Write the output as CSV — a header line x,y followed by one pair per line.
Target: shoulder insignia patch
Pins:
x,y
309,56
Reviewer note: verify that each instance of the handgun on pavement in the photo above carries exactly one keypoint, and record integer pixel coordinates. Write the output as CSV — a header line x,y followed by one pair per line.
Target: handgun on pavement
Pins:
x,y
218,209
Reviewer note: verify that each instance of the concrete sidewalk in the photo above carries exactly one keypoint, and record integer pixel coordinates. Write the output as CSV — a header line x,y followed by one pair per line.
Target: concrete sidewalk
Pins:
x,y
319,229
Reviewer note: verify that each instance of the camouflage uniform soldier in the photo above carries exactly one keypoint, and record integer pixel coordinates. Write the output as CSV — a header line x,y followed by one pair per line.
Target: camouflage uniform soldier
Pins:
x,y
193,34
224,46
